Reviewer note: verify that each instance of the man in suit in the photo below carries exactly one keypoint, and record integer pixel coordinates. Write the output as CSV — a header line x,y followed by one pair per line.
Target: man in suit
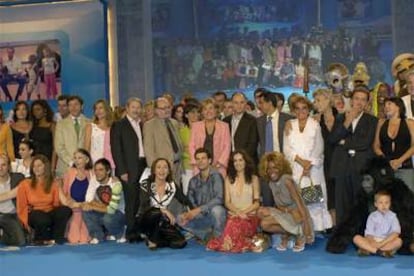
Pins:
x,y
409,99
129,156
161,138
270,127
353,137
70,134
243,127
11,230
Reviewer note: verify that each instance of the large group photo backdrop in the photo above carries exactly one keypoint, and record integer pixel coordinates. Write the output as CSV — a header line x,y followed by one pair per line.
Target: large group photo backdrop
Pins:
x,y
76,36
241,44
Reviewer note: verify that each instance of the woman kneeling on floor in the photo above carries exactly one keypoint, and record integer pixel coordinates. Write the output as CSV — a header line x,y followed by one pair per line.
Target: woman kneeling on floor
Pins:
x,y
155,219
290,215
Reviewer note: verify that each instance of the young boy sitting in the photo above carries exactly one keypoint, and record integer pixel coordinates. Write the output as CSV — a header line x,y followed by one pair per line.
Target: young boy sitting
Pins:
x,y
382,230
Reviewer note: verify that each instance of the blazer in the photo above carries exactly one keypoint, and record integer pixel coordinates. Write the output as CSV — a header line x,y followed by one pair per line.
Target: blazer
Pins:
x,y
125,150
360,141
157,141
261,130
221,143
246,136
408,110
67,142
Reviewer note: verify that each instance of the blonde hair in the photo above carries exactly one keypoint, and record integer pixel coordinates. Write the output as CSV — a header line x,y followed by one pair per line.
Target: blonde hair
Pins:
x,y
301,99
281,163
208,101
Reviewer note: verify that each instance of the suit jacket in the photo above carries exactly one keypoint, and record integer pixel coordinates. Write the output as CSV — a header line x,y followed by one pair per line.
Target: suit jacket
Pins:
x,y
261,130
157,141
221,143
360,141
15,179
246,137
125,150
408,110
67,142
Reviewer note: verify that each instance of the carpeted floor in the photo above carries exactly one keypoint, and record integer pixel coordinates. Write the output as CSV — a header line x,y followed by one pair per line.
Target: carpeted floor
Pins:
x,y
112,259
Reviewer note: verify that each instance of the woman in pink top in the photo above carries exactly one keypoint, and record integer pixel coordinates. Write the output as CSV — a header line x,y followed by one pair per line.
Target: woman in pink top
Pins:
x,y
75,185
212,134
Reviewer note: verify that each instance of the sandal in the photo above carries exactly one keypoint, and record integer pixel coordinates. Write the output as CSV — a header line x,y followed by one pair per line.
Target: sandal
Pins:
x,y
282,246
299,245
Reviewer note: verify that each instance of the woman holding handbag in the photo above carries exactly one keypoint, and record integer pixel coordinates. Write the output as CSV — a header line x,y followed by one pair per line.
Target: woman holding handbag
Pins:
x,y
289,217
303,147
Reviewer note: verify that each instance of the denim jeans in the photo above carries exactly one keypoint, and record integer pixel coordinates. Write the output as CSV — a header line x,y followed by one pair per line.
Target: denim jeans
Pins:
x,y
96,222
11,231
210,223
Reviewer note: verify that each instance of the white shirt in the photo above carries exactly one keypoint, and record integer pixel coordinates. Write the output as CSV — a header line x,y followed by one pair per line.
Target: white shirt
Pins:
x,y
14,66
355,121
6,207
137,128
275,127
235,120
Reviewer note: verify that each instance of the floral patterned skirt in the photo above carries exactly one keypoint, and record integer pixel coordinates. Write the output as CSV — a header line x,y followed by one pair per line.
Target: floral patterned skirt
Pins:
x,y
237,235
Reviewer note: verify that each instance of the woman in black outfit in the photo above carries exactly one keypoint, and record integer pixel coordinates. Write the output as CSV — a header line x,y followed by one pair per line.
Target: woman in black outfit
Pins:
x,y
155,217
394,140
43,129
326,117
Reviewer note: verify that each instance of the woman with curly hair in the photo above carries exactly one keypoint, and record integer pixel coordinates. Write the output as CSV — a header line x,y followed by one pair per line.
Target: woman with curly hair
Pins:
x,y
242,199
289,217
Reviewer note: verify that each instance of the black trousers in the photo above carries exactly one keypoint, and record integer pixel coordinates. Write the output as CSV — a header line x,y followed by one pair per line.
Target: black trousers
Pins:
x,y
11,230
50,225
160,231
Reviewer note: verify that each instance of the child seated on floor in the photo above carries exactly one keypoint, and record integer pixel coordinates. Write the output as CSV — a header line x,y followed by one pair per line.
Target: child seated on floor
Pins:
x,y
382,230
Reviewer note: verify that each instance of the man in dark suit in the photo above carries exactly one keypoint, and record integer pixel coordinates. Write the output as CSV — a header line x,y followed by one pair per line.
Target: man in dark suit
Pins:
x,y
353,137
270,127
128,153
243,127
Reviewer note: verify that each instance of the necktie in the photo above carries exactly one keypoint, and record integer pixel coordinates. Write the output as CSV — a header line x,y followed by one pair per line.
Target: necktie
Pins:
x,y
269,135
77,127
171,135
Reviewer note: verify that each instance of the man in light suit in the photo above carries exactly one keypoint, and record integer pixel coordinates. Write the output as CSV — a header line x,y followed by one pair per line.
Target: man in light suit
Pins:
x,y
127,149
409,99
276,120
161,138
353,137
70,134
243,127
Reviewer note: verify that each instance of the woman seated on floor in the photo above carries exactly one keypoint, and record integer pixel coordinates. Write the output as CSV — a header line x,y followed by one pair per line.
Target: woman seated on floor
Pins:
x,y
75,185
290,216
38,206
242,197
155,218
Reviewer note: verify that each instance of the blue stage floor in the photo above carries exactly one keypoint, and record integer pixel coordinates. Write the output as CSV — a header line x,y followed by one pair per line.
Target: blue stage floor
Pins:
x,y
131,259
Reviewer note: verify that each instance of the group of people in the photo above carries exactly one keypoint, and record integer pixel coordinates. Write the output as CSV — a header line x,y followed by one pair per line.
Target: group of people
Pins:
x,y
163,173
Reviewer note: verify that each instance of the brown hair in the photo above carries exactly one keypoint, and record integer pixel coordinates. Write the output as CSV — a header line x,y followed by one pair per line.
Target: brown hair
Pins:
x,y
301,99
48,173
108,112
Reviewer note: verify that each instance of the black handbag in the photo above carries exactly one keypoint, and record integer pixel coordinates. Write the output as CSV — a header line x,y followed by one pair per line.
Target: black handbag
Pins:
x,y
312,193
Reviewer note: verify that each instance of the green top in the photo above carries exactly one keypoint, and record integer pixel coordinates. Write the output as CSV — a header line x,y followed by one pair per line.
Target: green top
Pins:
x,y
185,134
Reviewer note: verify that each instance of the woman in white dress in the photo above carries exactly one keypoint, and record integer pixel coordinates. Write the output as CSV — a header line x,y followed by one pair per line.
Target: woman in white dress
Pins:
x,y
97,133
303,147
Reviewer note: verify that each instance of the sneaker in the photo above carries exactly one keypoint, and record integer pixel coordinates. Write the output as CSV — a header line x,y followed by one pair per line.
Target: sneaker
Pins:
x,y
110,238
121,240
94,241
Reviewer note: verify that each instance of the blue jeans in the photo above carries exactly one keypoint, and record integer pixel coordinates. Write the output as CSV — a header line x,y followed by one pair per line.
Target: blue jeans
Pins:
x,y
11,231
211,222
96,222
21,81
